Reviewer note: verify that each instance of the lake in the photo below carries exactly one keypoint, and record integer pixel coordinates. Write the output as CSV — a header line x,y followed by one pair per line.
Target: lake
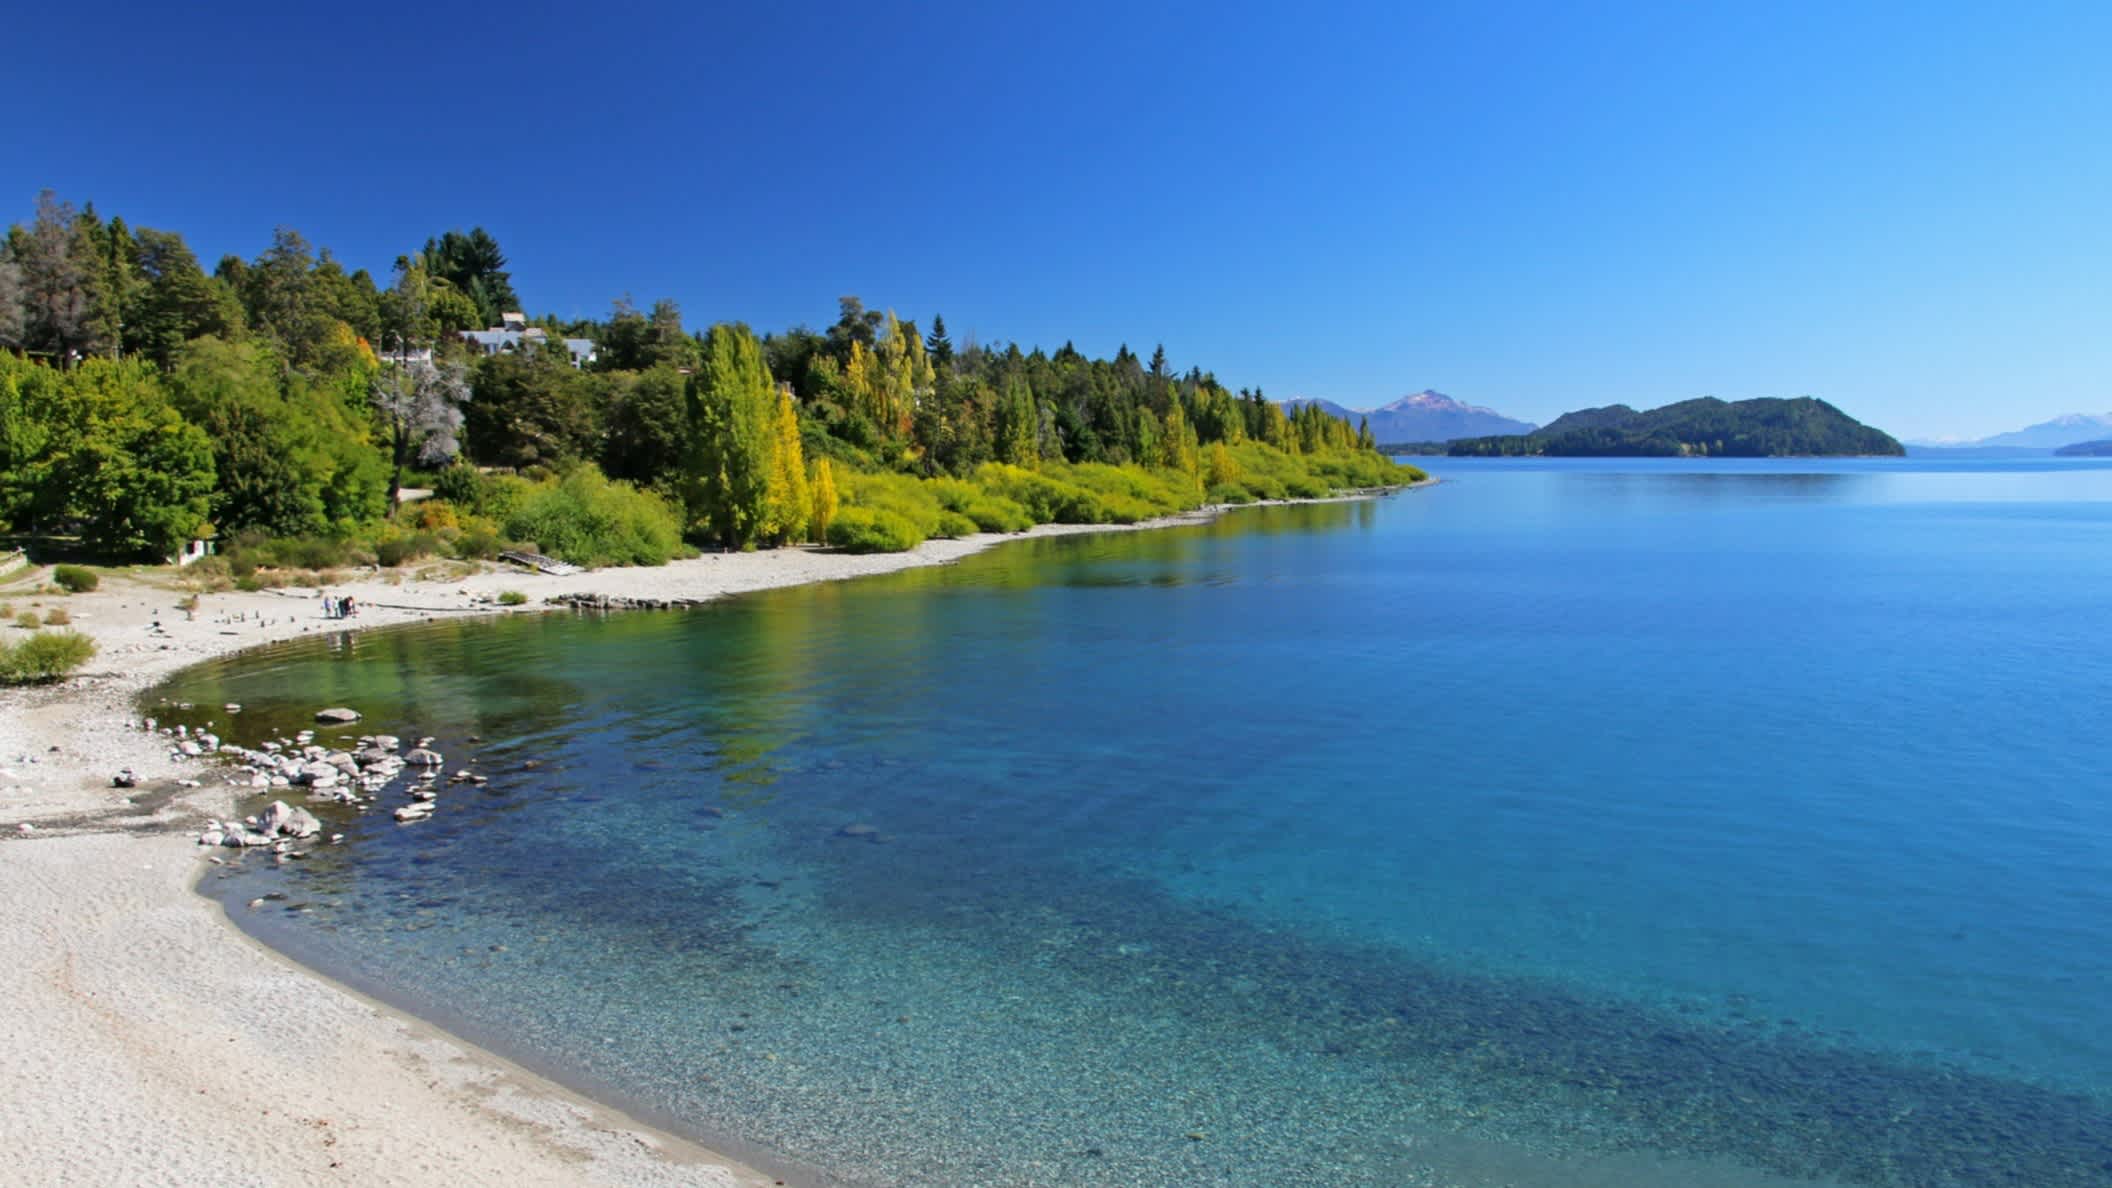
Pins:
x,y
1618,822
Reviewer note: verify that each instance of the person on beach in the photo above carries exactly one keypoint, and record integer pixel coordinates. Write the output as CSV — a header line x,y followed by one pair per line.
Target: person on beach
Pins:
x,y
347,608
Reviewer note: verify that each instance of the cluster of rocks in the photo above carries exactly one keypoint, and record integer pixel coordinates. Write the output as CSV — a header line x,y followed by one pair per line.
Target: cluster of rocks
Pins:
x,y
356,776
278,826
619,602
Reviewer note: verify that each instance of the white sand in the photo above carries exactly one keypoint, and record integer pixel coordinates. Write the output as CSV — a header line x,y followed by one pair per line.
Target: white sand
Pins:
x,y
149,1042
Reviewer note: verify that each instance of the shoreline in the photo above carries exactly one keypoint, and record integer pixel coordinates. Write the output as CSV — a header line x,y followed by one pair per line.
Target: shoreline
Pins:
x,y
149,1047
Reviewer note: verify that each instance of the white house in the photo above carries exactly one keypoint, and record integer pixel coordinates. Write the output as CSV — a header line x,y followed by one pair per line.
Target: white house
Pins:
x,y
515,334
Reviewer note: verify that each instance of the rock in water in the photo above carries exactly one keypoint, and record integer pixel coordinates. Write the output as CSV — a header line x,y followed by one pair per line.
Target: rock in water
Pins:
x,y
423,758
124,779
282,819
337,715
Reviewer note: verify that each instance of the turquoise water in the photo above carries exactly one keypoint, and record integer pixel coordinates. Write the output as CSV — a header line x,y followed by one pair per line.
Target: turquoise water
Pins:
x,y
1567,823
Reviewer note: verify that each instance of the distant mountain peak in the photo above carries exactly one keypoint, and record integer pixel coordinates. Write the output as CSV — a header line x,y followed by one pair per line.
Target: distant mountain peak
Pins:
x,y
1428,415
2066,429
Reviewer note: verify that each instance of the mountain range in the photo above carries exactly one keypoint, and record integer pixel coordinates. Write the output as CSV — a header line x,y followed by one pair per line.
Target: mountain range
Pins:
x,y
1424,416
2046,435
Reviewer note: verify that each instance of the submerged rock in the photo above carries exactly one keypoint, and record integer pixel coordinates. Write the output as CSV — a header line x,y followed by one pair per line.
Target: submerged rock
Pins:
x,y
337,715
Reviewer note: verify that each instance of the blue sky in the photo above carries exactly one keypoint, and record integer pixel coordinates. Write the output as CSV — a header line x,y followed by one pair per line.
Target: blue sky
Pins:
x,y
1904,209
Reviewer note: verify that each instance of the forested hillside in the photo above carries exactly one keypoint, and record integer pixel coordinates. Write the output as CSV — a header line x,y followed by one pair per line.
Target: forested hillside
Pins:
x,y
281,401
1707,427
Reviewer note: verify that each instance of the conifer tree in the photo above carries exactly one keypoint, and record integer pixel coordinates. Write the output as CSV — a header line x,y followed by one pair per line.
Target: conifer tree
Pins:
x,y
938,346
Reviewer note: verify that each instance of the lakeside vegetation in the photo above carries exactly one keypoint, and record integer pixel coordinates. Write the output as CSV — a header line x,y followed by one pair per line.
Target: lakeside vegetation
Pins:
x,y
1706,428
281,403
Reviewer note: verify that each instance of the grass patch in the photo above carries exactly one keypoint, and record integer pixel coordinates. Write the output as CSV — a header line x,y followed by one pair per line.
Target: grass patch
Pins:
x,y
45,656
76,579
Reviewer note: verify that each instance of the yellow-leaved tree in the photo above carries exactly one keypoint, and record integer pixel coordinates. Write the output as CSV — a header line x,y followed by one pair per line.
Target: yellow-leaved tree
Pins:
x,y
786,501
821,493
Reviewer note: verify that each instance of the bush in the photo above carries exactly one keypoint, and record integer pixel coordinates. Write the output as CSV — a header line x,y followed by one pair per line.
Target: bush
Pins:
x,y
512,598
460,485
995,513
45,656
27,620
588,519
955,524
477,544
57,617
392,553
872,530
434,515
76,579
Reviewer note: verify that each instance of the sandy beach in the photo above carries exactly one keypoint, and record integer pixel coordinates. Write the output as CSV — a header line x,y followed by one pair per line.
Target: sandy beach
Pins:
x,y
150,1042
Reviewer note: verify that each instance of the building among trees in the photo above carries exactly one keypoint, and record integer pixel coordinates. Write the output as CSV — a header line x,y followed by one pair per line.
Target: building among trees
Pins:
x,y
513,333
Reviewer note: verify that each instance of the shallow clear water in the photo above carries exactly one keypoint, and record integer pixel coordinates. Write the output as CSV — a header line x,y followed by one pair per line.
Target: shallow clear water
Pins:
x,y
1581,822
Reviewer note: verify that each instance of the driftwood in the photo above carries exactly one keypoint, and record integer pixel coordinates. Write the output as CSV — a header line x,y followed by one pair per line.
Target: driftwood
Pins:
x,y
538,562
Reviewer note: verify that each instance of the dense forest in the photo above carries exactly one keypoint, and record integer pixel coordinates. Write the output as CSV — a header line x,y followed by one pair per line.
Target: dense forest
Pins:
x,y
282,402
1707,427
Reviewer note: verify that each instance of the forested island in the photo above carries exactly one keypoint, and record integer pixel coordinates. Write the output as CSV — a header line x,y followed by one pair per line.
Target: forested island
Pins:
x,y
1705,427
281,403
2086,449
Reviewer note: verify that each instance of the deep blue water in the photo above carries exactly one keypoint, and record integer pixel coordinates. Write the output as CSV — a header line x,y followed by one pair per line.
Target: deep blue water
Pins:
x,y
1616,822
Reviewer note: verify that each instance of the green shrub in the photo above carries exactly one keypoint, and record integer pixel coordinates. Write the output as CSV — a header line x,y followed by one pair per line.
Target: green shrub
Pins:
x,y
45,656
477,544
394,552
512,598
913,500
995,513
460,485
57,617
27,620
872,530
588,519
76,579
954,524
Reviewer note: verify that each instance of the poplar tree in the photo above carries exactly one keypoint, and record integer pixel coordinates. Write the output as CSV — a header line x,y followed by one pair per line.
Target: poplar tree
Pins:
x,y
821,494
786,500
731,438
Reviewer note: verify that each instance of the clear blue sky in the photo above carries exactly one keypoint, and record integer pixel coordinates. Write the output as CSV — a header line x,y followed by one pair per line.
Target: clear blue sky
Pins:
x,y
1902,209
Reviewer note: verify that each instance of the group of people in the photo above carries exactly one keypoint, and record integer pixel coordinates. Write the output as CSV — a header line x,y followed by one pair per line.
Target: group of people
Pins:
x,y
339,607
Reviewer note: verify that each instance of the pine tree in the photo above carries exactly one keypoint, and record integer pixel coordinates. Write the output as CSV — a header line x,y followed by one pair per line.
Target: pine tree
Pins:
x,y
938,346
